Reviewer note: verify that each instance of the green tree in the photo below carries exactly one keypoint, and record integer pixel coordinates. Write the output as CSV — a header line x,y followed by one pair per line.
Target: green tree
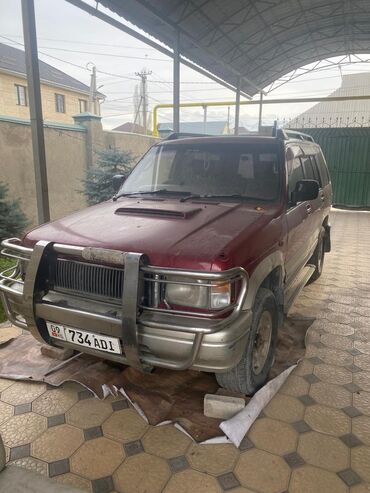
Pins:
x,y
98,184
13,221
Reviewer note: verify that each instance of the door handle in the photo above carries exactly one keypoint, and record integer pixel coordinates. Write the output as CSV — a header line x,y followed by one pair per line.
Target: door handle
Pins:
x,y
308,209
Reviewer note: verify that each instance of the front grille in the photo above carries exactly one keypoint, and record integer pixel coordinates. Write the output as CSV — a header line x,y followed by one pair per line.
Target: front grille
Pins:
x,y
81,278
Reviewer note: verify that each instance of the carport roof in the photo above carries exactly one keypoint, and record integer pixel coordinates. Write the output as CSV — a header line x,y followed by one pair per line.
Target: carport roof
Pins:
x,y
261,40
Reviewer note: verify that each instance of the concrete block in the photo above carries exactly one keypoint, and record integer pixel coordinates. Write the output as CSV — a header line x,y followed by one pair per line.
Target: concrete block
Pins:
x,y
222,406
56,353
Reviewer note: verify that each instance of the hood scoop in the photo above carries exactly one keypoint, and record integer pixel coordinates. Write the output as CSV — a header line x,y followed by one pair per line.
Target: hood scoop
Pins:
x,y
158,211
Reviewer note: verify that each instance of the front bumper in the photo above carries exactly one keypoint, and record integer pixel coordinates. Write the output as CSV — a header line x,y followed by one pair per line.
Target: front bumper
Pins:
x,y
149,337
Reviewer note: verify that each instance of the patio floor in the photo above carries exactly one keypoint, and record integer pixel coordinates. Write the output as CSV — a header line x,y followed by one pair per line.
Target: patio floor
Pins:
x,y
314,436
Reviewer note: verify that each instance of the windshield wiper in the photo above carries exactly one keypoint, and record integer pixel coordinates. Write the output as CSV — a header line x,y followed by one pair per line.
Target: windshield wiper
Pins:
x,y
216,196
151,192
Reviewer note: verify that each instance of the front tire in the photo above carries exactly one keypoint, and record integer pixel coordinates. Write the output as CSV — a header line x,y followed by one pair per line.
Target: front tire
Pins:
x,y
253,369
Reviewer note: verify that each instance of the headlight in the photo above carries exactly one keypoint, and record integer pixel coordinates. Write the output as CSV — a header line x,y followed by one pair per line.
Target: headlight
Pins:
x,y
207,297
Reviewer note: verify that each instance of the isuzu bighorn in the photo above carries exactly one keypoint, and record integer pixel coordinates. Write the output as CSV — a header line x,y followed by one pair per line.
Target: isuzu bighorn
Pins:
x,y
192,264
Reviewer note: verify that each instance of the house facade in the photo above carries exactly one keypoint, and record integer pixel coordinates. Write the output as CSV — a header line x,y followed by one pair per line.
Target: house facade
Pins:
x,y
62,96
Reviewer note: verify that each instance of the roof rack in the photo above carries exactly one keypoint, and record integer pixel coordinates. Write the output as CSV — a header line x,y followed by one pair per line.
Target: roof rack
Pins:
x,y
293,134
184,135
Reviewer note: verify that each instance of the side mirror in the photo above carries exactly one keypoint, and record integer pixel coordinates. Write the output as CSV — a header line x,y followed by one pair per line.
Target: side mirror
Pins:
x,y
305,190
117,182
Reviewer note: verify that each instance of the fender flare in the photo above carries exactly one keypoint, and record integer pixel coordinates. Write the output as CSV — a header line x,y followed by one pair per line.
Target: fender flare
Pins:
x,y
263,269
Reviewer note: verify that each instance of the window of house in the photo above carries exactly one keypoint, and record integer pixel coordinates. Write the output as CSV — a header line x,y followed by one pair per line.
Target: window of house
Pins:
x,y
60,103
83,105
21,95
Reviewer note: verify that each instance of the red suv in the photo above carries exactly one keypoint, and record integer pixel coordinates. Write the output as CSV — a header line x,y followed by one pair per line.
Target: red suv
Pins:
x,y
192,264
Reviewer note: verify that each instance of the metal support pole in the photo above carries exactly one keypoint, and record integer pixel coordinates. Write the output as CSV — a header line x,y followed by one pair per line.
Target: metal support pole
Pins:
x,y
260,113
34,96
176,84
237,108
205,118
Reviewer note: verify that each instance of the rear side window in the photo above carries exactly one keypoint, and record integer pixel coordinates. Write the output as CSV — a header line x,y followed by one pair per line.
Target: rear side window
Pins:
x,y
295,173
309,168
325,179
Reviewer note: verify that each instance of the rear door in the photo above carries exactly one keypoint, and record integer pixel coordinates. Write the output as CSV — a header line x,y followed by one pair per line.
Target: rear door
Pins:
x,y
298,217
314,207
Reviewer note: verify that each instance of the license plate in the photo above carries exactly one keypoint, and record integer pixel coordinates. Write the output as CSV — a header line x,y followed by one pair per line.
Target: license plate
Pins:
x,y
84,338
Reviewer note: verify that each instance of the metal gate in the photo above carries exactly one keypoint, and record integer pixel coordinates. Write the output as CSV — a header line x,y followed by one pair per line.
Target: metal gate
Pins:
x,y
347,152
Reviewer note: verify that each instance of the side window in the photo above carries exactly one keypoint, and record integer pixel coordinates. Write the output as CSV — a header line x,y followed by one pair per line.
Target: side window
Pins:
x,y
295,173
308,169
322,169
316,170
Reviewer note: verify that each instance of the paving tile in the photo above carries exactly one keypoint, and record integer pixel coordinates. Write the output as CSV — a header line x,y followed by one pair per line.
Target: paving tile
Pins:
x,y
304,367
58,467
246,444
353,368
178,463
88,413
354,352
276,471
332,356
55,401
273,436
74,481
349,477
301,426
352,387
129,477
331,395
352,411
311,378
362,402
22,408
103,485
121,404
22,429
56,420
307,400
362,379
20,452
328,420
363,346
295,386
362,361
285,408
361,428
85,394
133,448
126,425
351,440
213,459
309,479
294,460
323,451
32,464
6,411
315,360
110,453
228,481
165,441
333,374
57,443
94,432
22,392
5,383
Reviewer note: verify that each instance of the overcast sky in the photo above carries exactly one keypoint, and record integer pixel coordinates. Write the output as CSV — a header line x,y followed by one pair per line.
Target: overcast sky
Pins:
x,y
69,39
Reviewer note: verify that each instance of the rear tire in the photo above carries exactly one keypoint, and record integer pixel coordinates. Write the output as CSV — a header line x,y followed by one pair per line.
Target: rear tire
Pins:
x,y
253,369
318,257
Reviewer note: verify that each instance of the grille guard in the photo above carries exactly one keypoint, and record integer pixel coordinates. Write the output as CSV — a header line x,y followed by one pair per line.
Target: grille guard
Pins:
x,y
28,294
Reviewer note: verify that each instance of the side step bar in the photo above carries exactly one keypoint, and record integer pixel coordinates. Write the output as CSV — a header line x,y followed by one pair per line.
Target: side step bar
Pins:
x,y
296,286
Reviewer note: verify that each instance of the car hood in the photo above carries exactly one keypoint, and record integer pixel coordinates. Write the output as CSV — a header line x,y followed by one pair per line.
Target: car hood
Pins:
x,y
174,234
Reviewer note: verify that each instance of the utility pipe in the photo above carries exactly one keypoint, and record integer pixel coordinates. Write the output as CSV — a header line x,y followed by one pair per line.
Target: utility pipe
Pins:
x,y
265,101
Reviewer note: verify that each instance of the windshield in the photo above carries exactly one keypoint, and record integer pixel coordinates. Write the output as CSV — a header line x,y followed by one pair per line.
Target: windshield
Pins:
x,y
245,170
